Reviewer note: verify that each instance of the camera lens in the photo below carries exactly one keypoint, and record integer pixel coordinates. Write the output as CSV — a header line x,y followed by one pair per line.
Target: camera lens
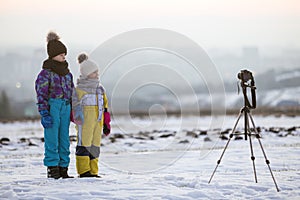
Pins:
x,y
239,76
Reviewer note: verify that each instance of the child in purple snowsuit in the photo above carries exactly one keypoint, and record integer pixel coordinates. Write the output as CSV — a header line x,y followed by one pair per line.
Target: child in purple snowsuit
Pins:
x,y
54,86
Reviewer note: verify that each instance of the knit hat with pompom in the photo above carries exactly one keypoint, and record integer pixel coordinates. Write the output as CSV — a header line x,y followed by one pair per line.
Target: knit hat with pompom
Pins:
x,y
54,46
87,66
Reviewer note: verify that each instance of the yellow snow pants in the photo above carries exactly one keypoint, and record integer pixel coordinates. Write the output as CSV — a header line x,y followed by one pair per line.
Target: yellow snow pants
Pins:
x,y
88,141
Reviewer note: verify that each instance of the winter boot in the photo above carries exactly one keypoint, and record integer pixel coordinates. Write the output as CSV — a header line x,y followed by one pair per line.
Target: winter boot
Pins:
x,y
88,174
63,171
53,172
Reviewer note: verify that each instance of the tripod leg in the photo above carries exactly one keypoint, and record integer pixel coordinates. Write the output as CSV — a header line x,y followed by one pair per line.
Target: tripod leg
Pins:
x,y
264,153
230,136
246,122
251,149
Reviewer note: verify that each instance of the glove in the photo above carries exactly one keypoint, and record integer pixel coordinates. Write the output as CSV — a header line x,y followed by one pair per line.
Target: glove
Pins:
x,y
72,116
78,115
106,126
46,119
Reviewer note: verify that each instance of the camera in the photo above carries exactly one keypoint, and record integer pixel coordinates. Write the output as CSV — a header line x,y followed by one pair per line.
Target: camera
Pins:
x,y
245,75
247,81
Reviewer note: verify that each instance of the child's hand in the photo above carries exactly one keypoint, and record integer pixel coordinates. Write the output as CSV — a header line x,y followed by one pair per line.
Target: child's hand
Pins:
x,y
106,124
46,119
106,130
74,119
78,115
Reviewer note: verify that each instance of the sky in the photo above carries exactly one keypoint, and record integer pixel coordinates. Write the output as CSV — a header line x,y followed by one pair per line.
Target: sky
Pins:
x,y
210,23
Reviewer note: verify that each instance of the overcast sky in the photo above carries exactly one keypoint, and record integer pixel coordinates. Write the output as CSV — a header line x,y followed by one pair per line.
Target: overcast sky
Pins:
x,y
211,23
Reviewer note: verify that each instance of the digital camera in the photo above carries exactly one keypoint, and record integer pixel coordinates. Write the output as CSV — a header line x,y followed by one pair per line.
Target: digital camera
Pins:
x,y
245,75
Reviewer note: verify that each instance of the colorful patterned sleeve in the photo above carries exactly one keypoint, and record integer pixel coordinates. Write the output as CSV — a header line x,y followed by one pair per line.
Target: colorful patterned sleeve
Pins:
x,y
105,100
105,105
75,99
72,82
42,89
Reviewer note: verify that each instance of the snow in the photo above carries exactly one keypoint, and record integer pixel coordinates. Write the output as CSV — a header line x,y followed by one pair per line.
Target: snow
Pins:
x,y
158,159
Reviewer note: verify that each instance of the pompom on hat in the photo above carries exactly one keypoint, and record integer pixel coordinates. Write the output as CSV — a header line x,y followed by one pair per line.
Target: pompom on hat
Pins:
x,y
87,66
54,46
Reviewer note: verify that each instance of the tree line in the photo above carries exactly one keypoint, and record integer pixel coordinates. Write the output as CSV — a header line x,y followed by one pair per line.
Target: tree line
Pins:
x,y
5,107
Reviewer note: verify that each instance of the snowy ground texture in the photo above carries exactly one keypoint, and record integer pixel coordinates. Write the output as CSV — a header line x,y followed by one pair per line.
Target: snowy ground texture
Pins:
x,y
160,158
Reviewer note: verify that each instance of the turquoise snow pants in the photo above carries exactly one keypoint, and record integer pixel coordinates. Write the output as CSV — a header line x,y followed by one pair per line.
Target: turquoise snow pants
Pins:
x,y
57,142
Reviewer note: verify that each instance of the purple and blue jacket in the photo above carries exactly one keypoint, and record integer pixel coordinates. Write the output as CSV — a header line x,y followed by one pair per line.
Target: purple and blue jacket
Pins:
x,y
51,85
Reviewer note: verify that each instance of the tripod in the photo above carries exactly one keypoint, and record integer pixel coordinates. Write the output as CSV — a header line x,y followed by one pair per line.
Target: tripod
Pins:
x,y
247,115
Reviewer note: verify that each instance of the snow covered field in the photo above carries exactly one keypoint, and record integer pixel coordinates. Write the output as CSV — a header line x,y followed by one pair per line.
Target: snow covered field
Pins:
x,y
160,158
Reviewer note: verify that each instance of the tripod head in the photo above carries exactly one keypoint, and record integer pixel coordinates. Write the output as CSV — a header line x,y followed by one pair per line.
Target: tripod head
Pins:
x,y
247,81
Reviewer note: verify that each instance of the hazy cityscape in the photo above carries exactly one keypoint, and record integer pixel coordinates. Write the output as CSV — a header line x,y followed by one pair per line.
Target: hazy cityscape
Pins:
x,y
19,68
260,35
